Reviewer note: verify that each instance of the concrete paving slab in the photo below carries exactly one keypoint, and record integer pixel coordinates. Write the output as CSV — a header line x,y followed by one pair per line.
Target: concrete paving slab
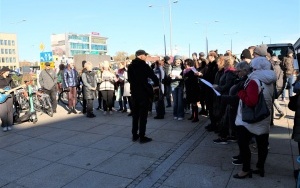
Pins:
x,y
214,157
11,138
58,135
55,152
108,129
167,135
87,158
53,175
113,143
36,131
95,180
84,139
125,165
7,156
20,167
182,126
195,176
29,146
152,149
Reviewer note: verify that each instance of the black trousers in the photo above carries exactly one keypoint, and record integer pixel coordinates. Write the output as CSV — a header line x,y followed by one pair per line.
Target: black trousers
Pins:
x,y
244,137
52,93
139,116
6,112
160,107
89,106
108,96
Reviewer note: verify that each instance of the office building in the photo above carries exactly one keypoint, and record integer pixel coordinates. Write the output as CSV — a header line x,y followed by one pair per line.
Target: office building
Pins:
x,y
9,55
70,44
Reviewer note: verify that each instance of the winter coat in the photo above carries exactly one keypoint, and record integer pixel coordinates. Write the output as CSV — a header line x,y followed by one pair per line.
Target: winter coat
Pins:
x,y
71,78
4,82
210,71
89,80
250,95
138,74
191,87
280,78
296,128
226,81
108,81
288,62
48,79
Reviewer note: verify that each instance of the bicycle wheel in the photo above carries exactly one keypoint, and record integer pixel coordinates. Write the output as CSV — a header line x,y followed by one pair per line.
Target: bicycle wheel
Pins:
x,y
36,103
48,107
63,97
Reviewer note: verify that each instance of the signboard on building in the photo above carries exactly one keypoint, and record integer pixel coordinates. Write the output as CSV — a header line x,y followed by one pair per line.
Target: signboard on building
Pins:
x,y
95,33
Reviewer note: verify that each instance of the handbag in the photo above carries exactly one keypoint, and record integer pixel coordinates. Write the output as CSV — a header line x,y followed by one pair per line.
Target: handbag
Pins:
x,y
257,113
293,102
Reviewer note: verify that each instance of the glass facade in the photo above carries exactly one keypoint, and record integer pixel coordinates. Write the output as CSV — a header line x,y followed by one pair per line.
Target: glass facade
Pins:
x,y
99,47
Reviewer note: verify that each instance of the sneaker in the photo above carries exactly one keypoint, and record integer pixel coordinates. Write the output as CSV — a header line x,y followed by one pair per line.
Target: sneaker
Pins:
x,y
234,158
232,139
125,110
145,139
105,112
175,118
237,162
5,129
222,141
180,119
9,128
110,112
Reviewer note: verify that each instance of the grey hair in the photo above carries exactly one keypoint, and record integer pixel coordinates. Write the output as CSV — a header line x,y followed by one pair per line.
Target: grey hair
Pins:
x,y
243,66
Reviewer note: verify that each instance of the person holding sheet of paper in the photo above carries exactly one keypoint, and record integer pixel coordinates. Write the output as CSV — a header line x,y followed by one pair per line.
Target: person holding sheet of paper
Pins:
x,y
191,87
177,88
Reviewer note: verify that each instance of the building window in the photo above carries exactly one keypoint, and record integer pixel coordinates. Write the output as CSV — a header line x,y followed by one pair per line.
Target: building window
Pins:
x,y
7,60
9,43
6,51
3,60
13,42
99,47
2,51
13,51
14,60
5,42
10,51
10,60
1,42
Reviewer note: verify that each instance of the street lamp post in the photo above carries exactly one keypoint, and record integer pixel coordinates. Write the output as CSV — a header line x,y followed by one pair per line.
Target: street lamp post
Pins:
x,y
170,17
269,38
231,38
206,27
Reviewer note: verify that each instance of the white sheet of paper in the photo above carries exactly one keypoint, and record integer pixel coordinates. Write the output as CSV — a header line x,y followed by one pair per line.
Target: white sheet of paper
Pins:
x,y
210,85
175,73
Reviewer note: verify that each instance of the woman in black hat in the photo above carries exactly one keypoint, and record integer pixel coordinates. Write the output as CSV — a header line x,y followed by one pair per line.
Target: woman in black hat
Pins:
x,y
6,112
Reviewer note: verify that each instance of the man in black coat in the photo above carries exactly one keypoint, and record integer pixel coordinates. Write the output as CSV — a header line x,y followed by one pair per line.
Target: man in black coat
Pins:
x,y
141,93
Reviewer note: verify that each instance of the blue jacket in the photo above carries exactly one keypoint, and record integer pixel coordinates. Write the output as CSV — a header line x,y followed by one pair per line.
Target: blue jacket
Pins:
x,y
71,78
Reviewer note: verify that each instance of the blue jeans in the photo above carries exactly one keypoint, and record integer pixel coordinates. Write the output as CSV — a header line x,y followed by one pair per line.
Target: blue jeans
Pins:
x,y
177,94
290,81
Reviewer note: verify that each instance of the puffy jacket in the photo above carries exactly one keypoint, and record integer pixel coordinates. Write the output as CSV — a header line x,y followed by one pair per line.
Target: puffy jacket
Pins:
x,y
89,81
268,78
108,81
71,78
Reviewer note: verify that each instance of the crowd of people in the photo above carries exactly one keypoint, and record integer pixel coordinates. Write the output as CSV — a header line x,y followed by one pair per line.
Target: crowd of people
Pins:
x,y
219,85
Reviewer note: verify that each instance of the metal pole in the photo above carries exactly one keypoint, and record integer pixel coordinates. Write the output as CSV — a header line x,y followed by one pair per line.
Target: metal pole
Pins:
x,y
170,17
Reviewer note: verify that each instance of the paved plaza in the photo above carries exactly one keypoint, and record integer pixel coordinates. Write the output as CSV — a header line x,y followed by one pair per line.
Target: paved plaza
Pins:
x,y
74,151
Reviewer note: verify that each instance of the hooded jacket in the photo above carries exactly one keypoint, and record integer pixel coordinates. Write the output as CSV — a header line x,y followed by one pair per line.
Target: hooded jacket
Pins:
x,y
250,95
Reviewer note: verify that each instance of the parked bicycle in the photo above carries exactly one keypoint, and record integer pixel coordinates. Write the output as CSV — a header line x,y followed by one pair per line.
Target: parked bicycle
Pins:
x,y
63,96
42,102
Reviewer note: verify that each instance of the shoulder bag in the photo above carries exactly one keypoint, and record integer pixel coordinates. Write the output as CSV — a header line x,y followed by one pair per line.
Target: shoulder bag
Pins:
x,y
293,102
257,113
